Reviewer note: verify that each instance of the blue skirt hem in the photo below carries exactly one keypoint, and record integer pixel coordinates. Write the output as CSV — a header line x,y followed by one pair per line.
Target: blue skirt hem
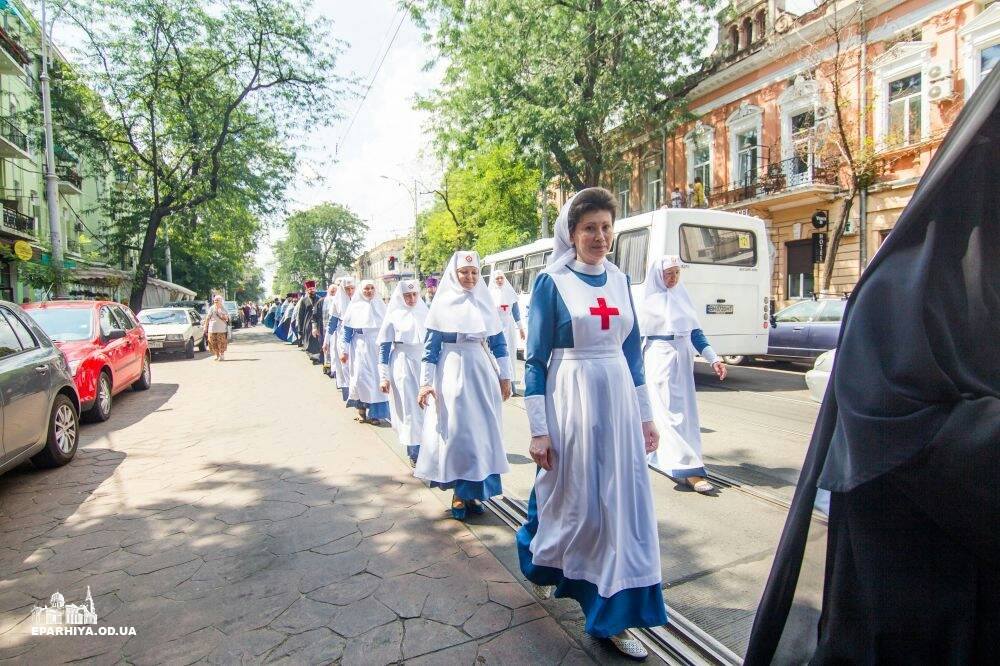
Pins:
x,y
378,410
686,473
413,451
470,490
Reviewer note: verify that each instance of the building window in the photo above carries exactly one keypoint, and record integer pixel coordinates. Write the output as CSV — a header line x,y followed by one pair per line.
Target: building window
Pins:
x,y
760,23
904,110
746,157
744,127
698,143
654,184
803,143
624,187
980,46
747,32
988,59
734,39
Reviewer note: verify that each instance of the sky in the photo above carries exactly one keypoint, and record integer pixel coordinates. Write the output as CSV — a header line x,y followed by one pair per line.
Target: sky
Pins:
x,y
388,136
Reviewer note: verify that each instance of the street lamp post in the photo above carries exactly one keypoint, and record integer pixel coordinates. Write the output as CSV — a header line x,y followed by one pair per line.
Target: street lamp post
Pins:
x,y
51,180
416,236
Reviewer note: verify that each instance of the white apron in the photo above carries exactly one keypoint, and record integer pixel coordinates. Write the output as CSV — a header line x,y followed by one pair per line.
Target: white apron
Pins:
x,y
364,368
404,369
462,428
341,370
595,507
670,377
511,333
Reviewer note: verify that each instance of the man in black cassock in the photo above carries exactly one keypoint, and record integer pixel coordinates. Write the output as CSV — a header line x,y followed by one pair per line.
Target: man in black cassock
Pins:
x,y
314,329
303,312
908,438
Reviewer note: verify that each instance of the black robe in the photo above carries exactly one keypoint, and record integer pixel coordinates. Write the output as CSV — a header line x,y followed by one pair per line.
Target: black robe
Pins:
x,y
304,316
908,437
314,343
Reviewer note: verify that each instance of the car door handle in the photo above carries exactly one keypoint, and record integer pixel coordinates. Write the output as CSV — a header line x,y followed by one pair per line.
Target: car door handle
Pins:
x,y
797,328
41,369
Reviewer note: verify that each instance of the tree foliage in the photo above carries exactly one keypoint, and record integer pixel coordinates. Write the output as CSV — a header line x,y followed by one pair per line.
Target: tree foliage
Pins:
x,y
320,241
200,99
488,204
556,75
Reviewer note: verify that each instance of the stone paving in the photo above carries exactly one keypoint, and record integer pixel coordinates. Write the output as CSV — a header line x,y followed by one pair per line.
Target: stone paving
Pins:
x,y
235,513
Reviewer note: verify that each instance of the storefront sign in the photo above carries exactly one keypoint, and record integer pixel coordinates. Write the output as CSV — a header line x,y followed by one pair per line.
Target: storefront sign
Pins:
x,y
23,251
819,248
821,218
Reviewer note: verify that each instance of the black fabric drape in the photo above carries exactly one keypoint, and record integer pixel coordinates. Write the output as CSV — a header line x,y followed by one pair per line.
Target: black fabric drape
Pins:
x,y
915,388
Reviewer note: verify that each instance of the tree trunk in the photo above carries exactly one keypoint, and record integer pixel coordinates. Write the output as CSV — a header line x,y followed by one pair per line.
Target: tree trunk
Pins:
x,y
838,235
145,260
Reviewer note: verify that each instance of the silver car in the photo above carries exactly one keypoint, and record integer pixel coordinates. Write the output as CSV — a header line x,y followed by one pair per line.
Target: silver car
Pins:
x,y
41,410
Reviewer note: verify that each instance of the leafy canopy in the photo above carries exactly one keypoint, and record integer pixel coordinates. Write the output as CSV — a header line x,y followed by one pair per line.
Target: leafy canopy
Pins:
x,y
320,241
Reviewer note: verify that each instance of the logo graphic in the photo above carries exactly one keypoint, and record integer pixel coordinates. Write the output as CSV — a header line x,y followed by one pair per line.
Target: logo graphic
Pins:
x,y
468,258
58,618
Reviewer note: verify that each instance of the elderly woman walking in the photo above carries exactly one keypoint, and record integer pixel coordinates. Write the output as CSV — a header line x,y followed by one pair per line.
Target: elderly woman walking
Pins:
x,y
591,530
217,328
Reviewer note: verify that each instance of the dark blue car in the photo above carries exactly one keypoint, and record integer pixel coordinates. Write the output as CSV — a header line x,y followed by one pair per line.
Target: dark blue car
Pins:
x,y
804,330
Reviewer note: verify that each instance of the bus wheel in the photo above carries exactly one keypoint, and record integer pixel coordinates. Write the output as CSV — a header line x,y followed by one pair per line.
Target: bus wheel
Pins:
x,y
736,360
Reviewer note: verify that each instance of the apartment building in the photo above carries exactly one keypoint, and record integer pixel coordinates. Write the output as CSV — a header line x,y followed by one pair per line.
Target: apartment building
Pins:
x,y
384,263
765,134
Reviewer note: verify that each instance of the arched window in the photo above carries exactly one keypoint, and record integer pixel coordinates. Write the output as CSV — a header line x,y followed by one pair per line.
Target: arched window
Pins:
x,y
734,38
761,25
747,31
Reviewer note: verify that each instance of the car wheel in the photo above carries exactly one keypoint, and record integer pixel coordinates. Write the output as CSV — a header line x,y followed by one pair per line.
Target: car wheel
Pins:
x,y
203,344
189,349
63,435
101,411
146,378
736,359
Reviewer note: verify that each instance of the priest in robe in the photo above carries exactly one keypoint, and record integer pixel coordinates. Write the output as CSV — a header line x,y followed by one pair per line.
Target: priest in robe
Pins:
x,y
313,329
908,439
304,310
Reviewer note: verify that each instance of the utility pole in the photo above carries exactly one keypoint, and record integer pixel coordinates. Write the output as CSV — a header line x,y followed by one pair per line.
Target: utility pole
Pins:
x,y
544,197
51,179
416,234
863,129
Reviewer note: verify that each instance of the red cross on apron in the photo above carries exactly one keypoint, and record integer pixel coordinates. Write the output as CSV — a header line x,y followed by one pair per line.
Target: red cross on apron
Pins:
x,y
504,307
604,312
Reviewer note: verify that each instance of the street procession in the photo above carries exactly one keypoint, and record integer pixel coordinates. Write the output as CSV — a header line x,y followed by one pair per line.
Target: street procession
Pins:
x,y
514,332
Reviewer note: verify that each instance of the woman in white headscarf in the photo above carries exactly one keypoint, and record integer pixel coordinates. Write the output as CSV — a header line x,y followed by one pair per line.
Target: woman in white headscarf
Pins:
x,y
464,379
505,300
328,303
362,322
591,530
673,335
400,344
340,370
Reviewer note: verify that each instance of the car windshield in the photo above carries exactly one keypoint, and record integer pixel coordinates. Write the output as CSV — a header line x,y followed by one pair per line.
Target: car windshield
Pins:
x,y
163,317
231,305
65,324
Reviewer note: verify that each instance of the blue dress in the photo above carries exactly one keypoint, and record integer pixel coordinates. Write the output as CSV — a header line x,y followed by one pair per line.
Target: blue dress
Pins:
x,y
551,329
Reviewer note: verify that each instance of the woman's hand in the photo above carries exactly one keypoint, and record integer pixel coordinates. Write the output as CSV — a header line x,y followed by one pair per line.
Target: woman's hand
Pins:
x,y
720,370
426,393
343,357
651,436
540,451
384,386
505,389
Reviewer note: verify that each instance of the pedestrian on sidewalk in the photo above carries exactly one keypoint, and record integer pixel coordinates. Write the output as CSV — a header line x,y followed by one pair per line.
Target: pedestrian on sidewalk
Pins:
x,y
505,299
669,322
217,328
303,318
432,286
341,369
283,331
591,530
400,343
326,312
362,322
465,377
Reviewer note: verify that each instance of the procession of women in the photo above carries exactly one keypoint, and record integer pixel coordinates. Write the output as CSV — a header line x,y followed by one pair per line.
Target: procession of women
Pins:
x,y
608,387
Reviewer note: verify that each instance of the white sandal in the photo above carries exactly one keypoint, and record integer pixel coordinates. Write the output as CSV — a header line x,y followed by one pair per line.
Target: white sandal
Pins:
x,y
541,591
703,487
630,647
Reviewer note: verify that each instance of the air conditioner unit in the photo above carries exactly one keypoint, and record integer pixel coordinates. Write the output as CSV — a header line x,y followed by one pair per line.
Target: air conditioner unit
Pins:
x,y
939,70
939,90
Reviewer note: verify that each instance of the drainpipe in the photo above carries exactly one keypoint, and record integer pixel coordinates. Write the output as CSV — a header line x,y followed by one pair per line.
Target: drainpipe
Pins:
x,y
863,125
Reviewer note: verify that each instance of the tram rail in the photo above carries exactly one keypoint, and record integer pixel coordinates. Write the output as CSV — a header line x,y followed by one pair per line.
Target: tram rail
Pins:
x,y
680,642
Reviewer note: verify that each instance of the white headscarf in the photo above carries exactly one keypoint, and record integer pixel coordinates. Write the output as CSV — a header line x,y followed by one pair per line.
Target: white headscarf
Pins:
x,y
407,323
504,295
666,311
342,301
364,313
563,252
330,300
455,310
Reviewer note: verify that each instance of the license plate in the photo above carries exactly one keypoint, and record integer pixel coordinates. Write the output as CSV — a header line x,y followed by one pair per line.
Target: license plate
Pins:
x,y
155,345
718,308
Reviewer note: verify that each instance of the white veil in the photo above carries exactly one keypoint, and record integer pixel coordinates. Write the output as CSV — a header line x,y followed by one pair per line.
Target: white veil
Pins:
x,y
342,301
504,295
407,323
563,252
666,311
363,313
455,310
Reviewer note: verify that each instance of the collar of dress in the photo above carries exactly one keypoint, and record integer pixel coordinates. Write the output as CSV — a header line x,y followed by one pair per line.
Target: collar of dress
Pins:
x,y
586,269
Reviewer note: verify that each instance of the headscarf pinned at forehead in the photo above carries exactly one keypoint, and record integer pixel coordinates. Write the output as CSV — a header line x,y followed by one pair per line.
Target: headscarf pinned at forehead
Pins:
x,y
364,312
342,301
666,311
455,310
502,295
406,322
563,252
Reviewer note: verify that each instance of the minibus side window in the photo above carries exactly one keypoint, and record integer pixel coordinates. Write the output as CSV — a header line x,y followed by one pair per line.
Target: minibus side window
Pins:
x,y
716,245
630,254
533,265
515,273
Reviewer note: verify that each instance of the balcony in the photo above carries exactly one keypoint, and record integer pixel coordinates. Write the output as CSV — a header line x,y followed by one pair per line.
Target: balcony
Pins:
x,y
13,57
70,182
18,222
796,181
13,142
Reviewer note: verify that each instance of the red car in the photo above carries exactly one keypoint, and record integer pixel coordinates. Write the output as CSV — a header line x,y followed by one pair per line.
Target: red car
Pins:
x,y
105,345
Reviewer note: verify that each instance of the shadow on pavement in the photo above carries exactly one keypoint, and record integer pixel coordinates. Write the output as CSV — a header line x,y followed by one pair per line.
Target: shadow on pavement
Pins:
x,y
128,408
747,379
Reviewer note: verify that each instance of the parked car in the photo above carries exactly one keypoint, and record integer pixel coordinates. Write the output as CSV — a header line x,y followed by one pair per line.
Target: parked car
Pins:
x,y
173,330
105,346
235,314
818,378
38,400
201,307
802,331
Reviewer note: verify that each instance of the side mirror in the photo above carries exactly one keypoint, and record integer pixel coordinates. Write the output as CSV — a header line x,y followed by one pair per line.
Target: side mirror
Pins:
x,y
115,334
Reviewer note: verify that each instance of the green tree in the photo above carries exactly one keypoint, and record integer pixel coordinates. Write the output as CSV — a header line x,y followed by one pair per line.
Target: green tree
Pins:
x,y
319,241
201,99
488,204
556,75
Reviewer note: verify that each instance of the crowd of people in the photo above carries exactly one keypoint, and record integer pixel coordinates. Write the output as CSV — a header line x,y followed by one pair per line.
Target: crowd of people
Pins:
x,y
437,364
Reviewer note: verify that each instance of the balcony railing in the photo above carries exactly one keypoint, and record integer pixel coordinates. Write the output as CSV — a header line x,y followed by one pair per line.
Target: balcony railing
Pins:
x,y
10,45
9,131
71,176
12,219
776,178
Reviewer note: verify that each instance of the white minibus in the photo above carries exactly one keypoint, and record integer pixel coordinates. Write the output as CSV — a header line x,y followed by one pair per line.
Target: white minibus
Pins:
x,y
727,269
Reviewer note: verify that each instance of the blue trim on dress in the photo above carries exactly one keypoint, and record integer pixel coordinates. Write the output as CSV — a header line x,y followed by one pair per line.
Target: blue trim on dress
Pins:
x,y
631,608
413,451
470,490
686,473
378,410
344,391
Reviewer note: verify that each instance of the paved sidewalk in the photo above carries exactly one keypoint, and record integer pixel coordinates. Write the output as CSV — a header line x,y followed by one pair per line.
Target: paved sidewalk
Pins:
x,y
236,513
